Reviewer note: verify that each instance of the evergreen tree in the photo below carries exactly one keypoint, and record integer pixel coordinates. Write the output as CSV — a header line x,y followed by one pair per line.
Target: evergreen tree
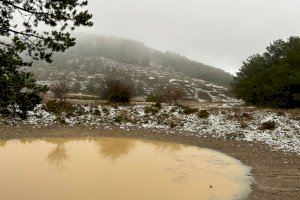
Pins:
x,y
272,79
18,90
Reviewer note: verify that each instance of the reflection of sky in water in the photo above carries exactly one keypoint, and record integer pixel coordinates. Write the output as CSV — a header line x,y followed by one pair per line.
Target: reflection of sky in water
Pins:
x,y
122,165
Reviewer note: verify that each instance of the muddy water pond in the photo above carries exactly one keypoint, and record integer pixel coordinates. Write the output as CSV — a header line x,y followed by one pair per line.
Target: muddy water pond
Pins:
x,y
117,169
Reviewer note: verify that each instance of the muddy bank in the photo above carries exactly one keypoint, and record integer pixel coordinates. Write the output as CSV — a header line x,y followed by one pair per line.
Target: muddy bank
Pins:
x,y
276,174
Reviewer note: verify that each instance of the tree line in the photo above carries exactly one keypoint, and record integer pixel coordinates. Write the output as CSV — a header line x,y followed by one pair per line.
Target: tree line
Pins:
x,y
271,79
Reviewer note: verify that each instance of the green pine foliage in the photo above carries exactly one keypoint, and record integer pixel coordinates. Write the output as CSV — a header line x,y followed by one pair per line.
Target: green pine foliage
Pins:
x,y
19,92
273,78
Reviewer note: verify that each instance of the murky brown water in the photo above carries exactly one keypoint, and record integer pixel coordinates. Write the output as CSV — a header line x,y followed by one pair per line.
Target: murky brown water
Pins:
x,y
117,169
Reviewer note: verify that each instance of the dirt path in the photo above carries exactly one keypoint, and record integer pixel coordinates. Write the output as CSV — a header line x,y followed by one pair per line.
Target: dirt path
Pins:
x,y
276,174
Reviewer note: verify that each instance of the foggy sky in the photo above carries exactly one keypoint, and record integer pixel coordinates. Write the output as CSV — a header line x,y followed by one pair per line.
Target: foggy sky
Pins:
x,y
222,33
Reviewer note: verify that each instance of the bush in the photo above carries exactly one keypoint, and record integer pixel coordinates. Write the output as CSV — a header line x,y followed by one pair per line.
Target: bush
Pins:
x,y
122,117
117,92
234,136
203,114
280,113
97,112
173,109
243,125
173,94
158,105
151,109
154,97
269,125
58,107
105,110
60,90
188,110
173,124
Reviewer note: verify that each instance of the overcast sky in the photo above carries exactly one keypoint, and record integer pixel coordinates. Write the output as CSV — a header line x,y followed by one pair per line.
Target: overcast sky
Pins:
x,y
221,33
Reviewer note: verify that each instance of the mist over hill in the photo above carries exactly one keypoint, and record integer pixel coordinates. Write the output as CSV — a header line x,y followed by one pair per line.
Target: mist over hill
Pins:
x,y
133,52
96,58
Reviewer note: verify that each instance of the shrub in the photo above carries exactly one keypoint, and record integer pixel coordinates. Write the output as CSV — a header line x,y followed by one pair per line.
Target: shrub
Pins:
x,y
173,94
57,107
234,136
188,110
173,109
79,110
116,91
151,109
203,114
173,124
158,105
122,117
60,90
97,112
154,97
105,110
243,125
60,120
268,125
246,115
280,113
118,119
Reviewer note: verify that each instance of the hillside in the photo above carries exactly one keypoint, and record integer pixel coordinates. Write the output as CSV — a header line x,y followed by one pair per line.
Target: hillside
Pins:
x,y
95,58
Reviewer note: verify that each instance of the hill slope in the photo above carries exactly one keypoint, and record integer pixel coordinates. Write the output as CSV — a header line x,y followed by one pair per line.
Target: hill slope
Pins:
x,y
95,58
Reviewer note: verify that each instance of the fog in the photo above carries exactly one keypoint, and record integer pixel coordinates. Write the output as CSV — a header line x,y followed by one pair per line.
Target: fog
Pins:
x,y
221,33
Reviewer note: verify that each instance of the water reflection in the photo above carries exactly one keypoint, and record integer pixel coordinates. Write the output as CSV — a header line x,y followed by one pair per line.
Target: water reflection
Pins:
x,y
58,156
115,148
109,148
25,141
75,169
3,143
165,147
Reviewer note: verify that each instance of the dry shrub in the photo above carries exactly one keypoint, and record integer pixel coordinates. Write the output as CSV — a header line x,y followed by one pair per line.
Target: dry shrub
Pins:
x,y
58,107
234,136
268,125
203,114
173,95
151,110
188,110
105,110
243,125
122,116
97,112
117,91
60,90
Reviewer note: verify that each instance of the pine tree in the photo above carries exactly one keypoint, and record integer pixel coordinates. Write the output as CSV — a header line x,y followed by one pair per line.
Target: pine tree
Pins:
x,y
271,79
18,89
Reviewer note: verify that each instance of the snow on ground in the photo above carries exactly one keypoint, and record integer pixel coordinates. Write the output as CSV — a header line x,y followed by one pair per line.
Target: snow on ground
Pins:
x,y
223,122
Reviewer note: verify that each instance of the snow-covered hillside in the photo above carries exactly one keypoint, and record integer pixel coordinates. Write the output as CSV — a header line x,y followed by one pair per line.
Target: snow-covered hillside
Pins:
x,y
86,66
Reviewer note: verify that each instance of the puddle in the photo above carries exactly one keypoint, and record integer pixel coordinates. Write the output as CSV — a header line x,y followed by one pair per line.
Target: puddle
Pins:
x,y
117,169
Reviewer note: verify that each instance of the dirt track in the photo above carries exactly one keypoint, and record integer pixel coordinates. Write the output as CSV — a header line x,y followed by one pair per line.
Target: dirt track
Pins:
x,y
276,174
